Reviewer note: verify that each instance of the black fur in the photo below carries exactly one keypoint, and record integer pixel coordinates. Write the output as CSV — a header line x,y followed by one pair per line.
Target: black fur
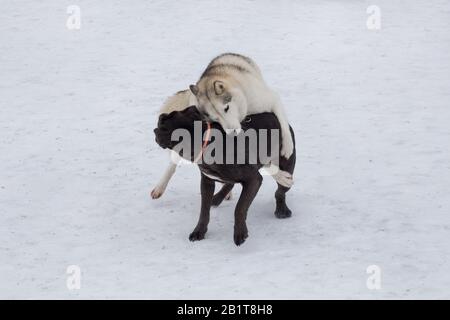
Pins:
x,y
246,174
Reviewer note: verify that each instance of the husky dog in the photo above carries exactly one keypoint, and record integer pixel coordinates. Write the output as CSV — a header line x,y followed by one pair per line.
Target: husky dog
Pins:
x,y
231,88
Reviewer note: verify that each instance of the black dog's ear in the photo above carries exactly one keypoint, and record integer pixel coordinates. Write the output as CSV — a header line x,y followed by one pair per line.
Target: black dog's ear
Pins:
x,y
167,116
162,118
192,113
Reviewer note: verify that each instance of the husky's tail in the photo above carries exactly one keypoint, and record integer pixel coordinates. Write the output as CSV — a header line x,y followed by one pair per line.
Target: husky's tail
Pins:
x,y
179,101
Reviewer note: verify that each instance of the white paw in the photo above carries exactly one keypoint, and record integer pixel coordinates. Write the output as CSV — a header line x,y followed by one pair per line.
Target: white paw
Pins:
x,y
284,178
157,192
287,148
233,131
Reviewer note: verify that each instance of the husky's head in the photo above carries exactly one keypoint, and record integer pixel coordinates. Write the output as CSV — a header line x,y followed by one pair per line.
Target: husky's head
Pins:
x,y
220,102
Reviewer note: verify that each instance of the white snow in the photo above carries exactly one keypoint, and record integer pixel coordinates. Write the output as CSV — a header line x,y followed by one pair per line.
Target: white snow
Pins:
x,y
78,159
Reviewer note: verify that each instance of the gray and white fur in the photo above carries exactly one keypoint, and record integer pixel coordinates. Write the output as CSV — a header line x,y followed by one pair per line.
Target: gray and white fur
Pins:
x,y
232,87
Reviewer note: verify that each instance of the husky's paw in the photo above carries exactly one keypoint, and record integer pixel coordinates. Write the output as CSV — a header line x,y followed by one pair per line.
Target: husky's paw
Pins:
x,y
287,148
157,192
284,178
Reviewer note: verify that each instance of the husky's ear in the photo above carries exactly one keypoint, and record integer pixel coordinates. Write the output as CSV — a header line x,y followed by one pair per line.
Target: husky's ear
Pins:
x,y
194,89
219,87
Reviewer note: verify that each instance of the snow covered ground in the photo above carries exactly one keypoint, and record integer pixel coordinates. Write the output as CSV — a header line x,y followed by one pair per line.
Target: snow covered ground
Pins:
x,y
370,111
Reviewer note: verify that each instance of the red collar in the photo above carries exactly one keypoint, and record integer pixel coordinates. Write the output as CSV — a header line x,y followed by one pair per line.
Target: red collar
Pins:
x,y
205,142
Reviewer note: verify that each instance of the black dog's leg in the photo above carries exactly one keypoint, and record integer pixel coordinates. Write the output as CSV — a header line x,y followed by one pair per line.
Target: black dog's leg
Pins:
x,y
249,190
219,196
282,210
207,191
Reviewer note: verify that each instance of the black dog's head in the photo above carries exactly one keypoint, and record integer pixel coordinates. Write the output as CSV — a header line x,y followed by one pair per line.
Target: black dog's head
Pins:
x,y
167,123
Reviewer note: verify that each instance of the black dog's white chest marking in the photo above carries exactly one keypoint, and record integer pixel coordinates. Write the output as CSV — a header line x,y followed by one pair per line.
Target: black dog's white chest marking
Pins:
x,y
213,177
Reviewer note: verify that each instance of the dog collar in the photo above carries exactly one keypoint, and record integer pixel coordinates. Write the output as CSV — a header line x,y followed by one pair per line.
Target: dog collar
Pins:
x,y
205,142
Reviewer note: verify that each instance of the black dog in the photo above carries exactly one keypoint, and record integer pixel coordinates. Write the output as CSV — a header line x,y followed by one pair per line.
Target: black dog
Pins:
x,y
246,174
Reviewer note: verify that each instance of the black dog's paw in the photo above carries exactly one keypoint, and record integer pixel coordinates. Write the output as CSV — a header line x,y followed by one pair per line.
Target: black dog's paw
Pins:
x,y
217,200
283,212
219,197
197,234
240,236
